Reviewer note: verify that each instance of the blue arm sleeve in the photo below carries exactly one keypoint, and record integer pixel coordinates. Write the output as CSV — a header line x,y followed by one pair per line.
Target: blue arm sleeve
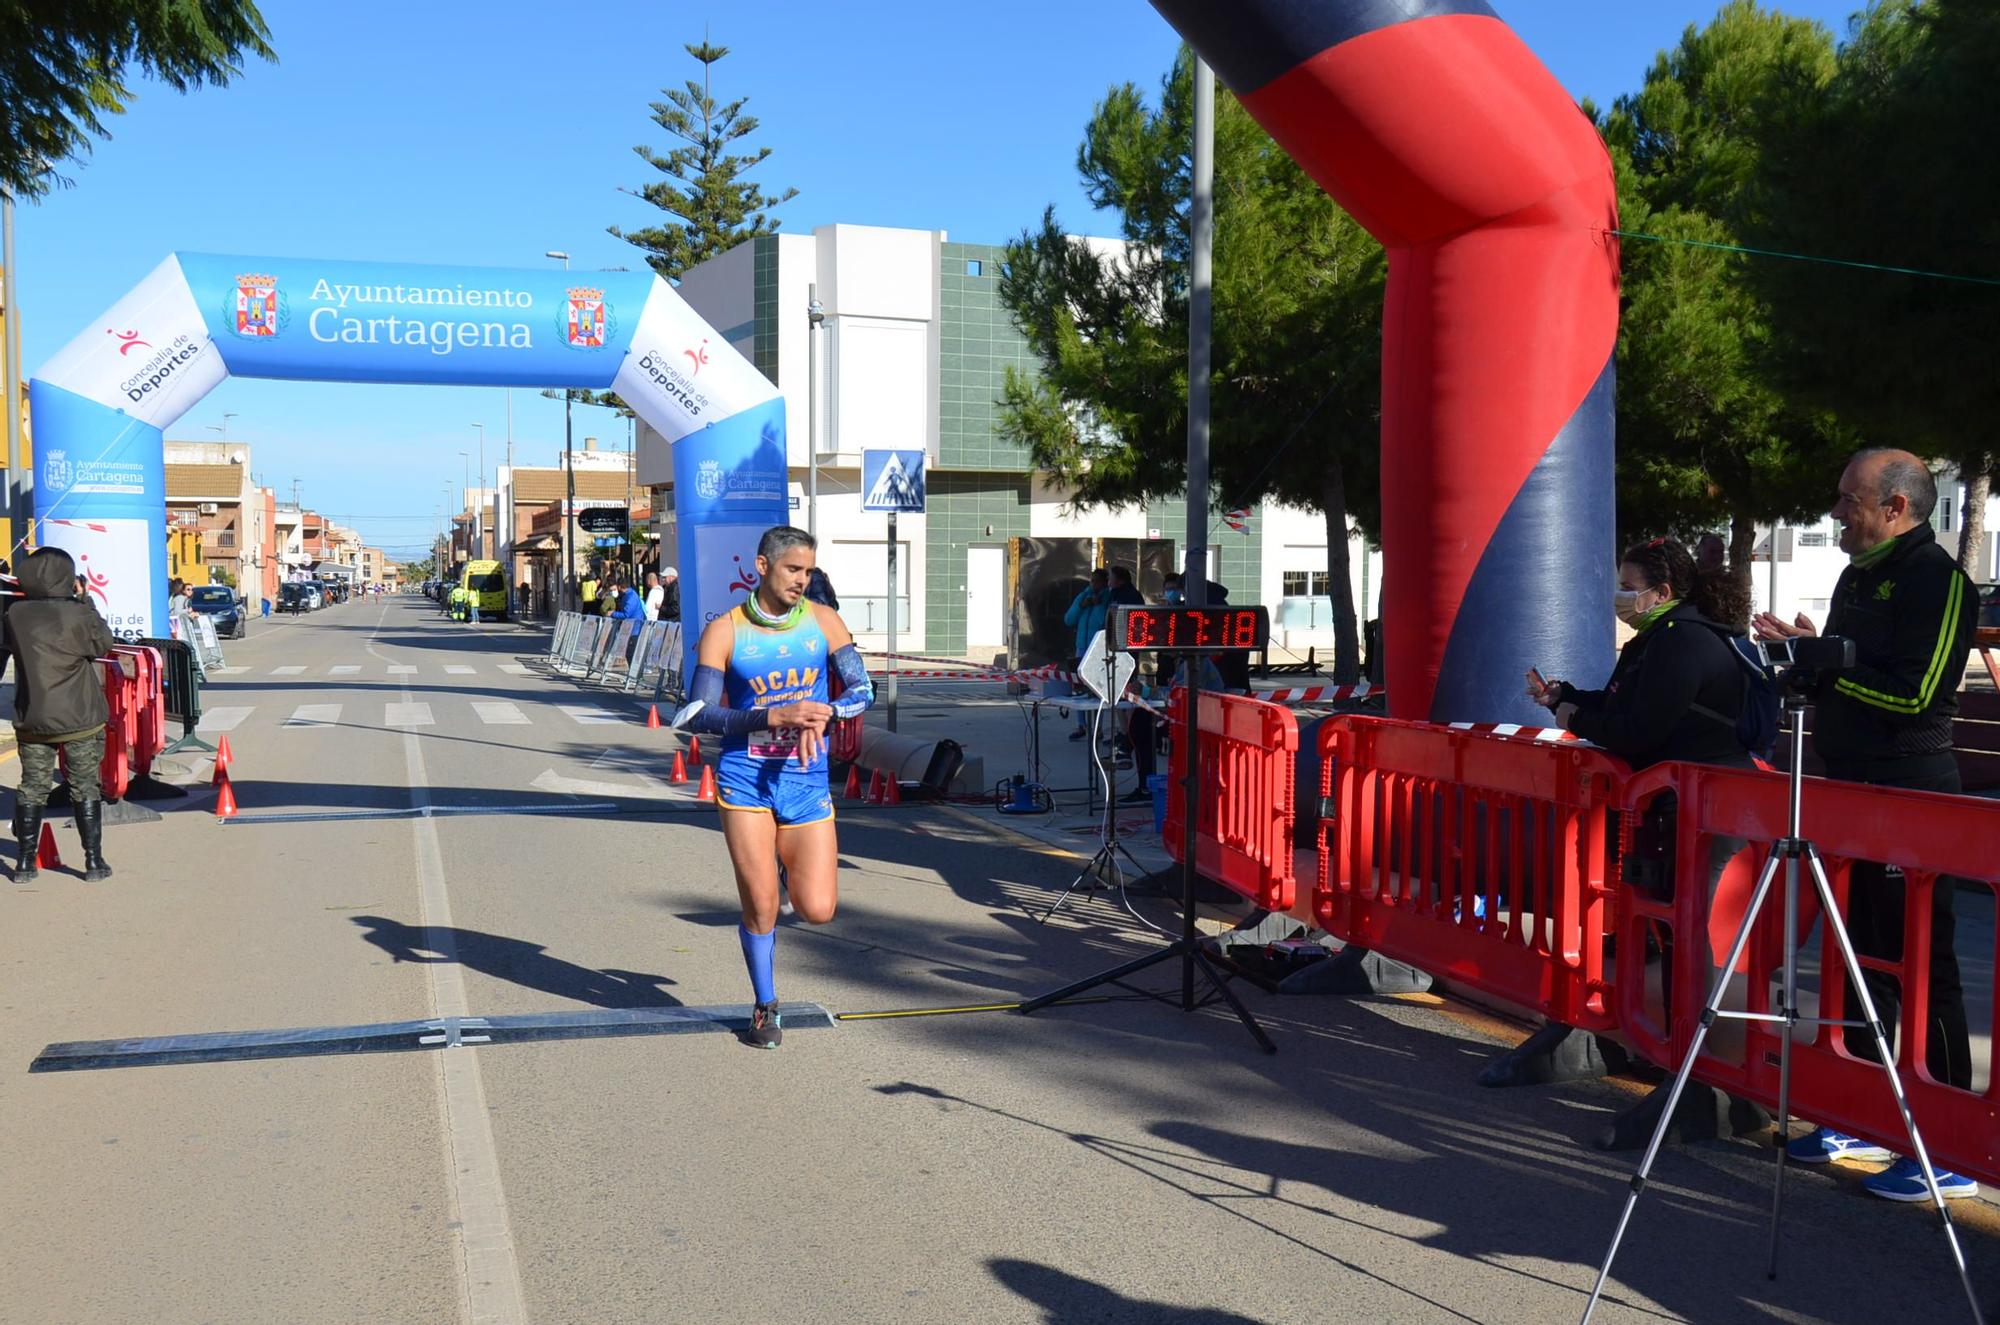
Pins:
x,y
710,714
853,673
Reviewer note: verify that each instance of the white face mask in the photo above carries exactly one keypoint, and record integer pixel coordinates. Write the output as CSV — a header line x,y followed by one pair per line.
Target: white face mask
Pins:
x,y
1625,602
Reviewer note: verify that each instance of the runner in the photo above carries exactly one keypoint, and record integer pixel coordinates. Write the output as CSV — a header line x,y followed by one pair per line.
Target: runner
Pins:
x,y
760,682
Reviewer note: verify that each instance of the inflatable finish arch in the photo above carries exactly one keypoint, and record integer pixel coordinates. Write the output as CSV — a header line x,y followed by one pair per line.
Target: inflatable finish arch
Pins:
x,y
101,405
1438,130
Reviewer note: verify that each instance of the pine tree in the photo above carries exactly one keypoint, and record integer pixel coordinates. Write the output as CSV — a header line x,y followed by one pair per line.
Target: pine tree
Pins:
x,y
704,185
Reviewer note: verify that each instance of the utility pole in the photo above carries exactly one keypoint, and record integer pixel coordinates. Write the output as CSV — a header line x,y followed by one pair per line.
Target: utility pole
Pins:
x,y
1200,289
815,314
19,485
569,486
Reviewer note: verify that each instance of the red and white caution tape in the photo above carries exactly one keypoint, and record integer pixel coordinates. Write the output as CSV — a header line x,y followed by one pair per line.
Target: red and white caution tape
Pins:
x,y
1515,729
1317,694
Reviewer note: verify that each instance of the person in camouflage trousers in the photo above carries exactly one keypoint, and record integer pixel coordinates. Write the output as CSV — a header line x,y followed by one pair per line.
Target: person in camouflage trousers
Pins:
x,y
54,638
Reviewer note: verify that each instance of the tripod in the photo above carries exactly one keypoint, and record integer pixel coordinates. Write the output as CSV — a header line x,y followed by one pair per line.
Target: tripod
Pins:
x,y
1188,946
1103,866
1791,849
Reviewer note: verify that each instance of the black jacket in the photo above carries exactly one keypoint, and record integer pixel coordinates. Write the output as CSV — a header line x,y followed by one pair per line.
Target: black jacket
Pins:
x,y
1646,713
1911,616
52,637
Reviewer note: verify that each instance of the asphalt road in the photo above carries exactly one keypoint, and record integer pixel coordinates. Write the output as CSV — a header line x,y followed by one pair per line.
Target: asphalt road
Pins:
x,y
1115,1162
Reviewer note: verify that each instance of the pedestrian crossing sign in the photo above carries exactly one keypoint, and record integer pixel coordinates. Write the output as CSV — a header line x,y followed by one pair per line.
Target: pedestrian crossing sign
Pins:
x,y
892,481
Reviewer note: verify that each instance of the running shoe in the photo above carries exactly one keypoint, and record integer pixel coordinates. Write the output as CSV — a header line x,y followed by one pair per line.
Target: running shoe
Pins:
x,y
1904,1181
1823,1144
765,1031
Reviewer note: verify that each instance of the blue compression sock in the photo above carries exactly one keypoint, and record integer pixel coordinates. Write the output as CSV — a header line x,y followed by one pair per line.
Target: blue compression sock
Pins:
x,y
757,951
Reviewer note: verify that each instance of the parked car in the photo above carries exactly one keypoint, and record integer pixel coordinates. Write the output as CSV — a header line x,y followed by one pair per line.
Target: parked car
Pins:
x,y
294,598
219,602
315,596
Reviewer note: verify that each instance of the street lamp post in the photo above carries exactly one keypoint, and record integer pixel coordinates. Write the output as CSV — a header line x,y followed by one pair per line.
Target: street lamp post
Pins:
x,y
19,486
569,481
479,523
815,314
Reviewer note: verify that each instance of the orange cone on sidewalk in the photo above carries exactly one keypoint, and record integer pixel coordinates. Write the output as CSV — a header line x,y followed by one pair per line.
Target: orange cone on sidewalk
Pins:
x,y
707,790
223,758
653,718
853,790
46,855
225,800
892,791
694,748
875,792
680,773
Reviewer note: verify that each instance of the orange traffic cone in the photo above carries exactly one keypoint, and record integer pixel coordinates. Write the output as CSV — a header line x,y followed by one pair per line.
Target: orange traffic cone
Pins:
x,y
707,790
694,748
225,800
892,791
853,791
223,758
875,792
653,718
46,855
680,773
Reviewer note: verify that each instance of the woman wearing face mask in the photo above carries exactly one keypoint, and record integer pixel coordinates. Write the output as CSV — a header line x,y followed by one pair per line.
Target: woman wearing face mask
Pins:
x,y
1678,689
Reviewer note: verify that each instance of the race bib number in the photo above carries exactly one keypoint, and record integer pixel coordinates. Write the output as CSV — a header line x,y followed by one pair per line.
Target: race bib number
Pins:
x,y
775,744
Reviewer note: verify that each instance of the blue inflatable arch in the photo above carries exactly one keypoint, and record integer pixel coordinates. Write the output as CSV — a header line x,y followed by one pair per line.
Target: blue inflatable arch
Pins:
x,y
101,406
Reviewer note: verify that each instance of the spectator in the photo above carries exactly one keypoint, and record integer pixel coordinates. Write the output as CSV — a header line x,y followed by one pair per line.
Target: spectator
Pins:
x,y
1123,591
59,709
1887,722
655,595
1085,616
670,589
819,589
1144,727
623,602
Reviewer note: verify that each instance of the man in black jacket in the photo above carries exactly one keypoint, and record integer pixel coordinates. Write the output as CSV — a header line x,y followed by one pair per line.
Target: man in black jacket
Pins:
x,y
1887,722
59,707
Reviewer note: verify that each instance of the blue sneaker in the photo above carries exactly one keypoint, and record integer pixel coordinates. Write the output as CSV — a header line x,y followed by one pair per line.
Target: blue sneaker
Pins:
x,y
1904,1181
1823,1144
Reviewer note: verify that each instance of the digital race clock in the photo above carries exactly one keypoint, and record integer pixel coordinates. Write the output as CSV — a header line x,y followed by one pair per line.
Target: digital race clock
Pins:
x,y
1132,629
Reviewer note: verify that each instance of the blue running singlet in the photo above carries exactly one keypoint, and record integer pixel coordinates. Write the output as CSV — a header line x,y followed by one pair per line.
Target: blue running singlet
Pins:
x,y
760,771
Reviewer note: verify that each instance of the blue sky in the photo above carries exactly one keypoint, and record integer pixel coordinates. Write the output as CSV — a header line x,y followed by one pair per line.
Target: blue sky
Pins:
x,y
486,134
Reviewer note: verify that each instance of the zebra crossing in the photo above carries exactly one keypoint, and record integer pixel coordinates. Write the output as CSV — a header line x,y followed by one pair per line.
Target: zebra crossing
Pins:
x,y
388,669
417,713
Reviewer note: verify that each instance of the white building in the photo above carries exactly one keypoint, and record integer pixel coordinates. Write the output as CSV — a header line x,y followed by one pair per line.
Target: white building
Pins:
x,y
912,353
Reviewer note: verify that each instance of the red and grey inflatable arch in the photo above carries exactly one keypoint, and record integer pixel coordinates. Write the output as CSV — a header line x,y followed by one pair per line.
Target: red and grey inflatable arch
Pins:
x,y
1438,130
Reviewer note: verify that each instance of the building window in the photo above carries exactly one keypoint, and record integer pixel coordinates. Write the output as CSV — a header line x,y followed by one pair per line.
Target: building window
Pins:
x,y
1943,522
973,267
1305,584
225,538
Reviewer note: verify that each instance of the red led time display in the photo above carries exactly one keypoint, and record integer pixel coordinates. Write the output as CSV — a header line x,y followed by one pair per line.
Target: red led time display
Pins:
x,y
1204,629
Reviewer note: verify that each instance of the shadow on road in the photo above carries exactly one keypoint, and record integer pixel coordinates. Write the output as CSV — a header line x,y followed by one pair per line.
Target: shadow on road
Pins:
x,y
519,961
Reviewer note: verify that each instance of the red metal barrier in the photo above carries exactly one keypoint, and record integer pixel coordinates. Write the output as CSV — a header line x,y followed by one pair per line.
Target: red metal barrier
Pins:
x,y
844,740
1925,834
1423,829
1243,823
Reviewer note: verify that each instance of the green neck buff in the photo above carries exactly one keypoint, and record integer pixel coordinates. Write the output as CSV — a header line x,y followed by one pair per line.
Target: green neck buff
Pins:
x,y
755,612
1646,621
1873,554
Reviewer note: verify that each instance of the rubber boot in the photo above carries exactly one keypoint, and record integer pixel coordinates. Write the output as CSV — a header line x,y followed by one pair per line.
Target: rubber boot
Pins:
x,y
27,841
90,827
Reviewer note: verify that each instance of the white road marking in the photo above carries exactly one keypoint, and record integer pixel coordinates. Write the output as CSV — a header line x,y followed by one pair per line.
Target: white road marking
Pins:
x,y
500,715
225,719
648,788
345,669
227,671
459,669
407,714
489,1275
516,669
314,715
288,671
402,670
589,715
